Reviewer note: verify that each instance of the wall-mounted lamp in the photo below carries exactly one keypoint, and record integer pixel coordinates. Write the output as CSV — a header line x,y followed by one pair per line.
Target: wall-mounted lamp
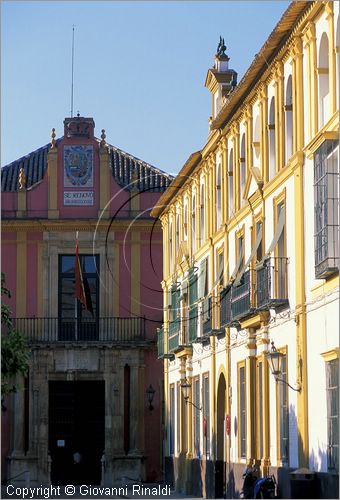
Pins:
x,y
150,392
186,386
275,358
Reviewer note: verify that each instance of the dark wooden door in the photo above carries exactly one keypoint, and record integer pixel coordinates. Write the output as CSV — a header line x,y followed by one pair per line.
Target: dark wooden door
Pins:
x,y
76,425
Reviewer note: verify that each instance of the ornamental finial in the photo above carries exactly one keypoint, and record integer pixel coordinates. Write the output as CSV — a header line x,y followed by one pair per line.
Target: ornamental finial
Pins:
x,y
221,48
22,179
103,139
53,136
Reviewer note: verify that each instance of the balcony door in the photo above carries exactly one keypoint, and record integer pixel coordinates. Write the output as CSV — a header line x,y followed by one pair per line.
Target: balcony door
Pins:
x,y
76,322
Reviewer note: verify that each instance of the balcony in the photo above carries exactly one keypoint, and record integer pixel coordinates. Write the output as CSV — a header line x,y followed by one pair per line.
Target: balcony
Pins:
x,y
207,317
100,330
242,304
225,306
174,337
272,284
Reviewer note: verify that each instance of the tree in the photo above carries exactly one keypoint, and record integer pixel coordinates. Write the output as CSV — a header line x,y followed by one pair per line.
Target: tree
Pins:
x,y
14,348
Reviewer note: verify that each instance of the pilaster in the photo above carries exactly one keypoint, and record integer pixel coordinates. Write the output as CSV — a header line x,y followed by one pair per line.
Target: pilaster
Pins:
x,y
329,7
52,176
104,169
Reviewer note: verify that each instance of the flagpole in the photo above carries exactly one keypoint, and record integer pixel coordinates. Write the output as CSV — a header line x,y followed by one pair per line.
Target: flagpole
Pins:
x,y
75,298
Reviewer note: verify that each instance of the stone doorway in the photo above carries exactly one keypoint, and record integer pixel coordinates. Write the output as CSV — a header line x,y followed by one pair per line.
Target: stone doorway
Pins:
x,y
76,431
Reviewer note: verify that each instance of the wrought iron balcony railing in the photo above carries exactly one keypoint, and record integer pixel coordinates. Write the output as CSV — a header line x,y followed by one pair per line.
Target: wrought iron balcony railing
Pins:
x,y
225,306
272,283
54,330
207,316
242,303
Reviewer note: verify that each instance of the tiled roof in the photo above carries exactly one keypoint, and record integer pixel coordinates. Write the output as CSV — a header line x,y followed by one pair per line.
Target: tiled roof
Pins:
x,y
34,165
125,168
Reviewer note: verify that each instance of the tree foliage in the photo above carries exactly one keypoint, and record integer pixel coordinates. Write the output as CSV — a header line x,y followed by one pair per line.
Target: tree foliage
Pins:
x,y
14,348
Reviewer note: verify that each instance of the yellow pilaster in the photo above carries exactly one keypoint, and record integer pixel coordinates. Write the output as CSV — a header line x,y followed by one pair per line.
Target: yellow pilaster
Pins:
x,y
279,116
189,221
298,116
312,77
248,115
332,57
212,198
40,307
224,180
105,175
135,273
116,289
21,278
236,179
52,173
301,334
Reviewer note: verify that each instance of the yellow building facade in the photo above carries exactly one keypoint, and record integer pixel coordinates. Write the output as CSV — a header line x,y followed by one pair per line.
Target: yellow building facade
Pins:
x,y
250,268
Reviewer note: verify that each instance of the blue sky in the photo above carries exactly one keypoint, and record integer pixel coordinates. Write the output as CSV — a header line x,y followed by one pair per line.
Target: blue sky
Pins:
x,y
139,70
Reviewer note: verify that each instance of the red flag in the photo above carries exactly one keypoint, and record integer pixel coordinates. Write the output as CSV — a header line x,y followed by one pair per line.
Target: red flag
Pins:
x,y
82,289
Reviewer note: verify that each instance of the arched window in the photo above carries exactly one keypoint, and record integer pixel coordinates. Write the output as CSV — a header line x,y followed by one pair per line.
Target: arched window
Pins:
x,y
170,248
271,139
289,119
323,81
177,233
193,224
202,221
218,197
242,169
230,183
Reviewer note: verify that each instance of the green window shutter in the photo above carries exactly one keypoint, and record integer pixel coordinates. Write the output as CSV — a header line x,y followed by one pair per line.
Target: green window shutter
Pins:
x,y
193,284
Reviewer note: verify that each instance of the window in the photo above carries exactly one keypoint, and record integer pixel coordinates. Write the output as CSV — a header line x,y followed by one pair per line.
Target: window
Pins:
x,y
326,208
280,254
242,411
218,197
197,411
332,386
323,81
174,316
172,420
240,252
192,305
220,268
193,224
289,119
283,414
202,222
259,251
230,184
271,139
76,322
206,416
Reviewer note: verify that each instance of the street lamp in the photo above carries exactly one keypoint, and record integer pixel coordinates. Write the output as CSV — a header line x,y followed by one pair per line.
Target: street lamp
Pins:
x,y
186,386
150,392
275,359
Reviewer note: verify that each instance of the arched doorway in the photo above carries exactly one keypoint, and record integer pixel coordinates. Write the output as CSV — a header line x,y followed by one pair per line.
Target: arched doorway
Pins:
x,y
220,438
